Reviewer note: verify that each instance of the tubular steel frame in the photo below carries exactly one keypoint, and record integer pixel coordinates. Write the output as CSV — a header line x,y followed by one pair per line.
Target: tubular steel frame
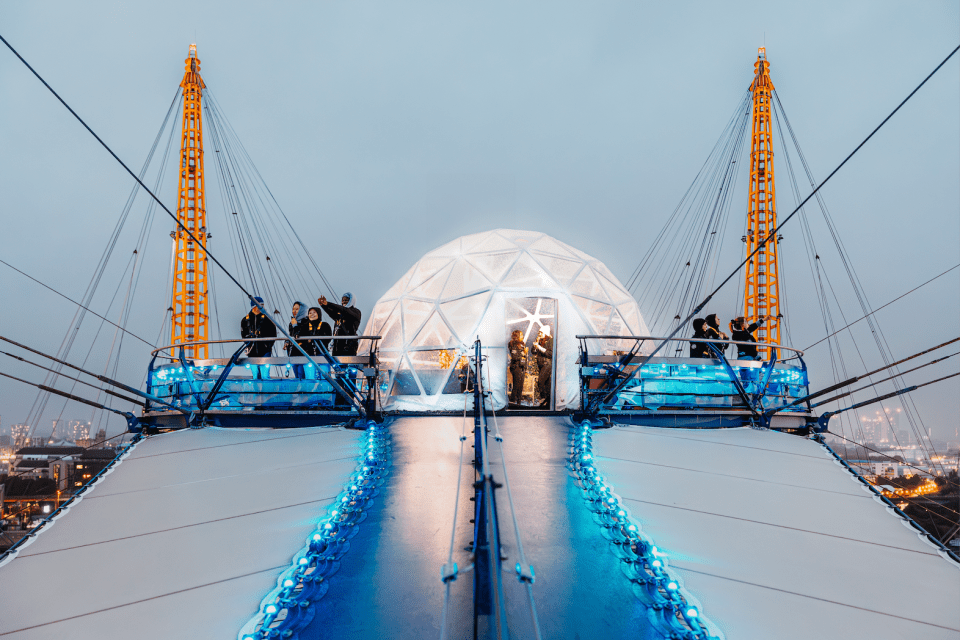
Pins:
x,y
761,293
190,317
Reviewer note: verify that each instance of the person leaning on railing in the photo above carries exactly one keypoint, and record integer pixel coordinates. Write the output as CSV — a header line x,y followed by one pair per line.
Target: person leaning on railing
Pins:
x,y
741,333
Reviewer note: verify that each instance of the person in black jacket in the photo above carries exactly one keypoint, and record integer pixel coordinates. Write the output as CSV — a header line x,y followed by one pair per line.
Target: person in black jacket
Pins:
x,y
711,331
257,325
543,348
297,315
741,333
518,365
313,325
346,319
699,349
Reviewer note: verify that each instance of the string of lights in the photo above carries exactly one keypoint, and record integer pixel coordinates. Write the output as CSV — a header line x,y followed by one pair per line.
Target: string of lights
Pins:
x,y
287,609
671,609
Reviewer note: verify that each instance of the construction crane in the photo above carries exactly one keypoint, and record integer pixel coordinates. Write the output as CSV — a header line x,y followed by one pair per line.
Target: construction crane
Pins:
x,y
189,311
762,275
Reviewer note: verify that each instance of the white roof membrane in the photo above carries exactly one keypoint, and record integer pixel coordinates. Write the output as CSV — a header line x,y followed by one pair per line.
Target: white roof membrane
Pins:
x,y
182,540
776,539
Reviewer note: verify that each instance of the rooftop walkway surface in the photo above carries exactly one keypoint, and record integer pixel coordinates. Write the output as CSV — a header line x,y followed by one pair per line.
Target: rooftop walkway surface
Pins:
x,y
181,540
777,539
388,584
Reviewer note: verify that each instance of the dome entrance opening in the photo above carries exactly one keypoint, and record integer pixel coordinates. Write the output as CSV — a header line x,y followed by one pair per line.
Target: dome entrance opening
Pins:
x,y
475,287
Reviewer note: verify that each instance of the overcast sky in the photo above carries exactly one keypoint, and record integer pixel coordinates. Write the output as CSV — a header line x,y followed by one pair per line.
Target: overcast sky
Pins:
x,y
386,129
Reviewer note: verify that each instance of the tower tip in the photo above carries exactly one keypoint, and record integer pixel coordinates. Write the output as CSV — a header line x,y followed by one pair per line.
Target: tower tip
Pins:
x,y
193,51
762,53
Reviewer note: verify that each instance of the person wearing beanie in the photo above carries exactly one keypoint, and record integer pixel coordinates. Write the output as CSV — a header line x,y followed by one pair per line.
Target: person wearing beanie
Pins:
x,y
699,349
346,318
257,325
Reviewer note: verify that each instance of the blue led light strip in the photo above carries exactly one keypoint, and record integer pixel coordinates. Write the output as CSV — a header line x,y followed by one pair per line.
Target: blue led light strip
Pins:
x,y
288,608
671,609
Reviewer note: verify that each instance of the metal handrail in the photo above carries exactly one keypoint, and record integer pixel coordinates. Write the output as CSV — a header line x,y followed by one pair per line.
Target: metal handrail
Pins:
x,y
156,352
756,344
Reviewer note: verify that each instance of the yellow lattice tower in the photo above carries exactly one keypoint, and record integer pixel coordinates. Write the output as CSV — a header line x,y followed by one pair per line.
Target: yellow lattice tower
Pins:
x,y
762,285
190,317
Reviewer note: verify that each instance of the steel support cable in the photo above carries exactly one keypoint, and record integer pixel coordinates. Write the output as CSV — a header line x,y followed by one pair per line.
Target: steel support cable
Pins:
x,y
448,573
252,195
253,166
71,300
896,383
93,343
69,396
693,211
94,375
853,379
719,211
883,306
873,384
704,208
40,401
524,571
889,457
879,338
339,390
63,375
776,230
657,242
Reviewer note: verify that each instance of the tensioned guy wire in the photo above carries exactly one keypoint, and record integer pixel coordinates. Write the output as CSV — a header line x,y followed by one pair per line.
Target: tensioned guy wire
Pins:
x,y
773,233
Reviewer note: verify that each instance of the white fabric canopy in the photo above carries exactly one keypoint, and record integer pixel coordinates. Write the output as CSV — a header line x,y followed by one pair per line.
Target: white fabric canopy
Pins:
x,y
461,291
776,539
181,540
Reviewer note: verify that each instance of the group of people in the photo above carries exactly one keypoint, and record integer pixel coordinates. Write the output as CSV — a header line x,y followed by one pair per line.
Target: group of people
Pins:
x,y
543,352
306,327
709,329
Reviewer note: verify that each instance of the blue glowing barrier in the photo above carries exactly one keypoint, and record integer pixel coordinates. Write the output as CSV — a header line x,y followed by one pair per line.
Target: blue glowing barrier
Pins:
x,y
688,383
241,390
288,608
670,608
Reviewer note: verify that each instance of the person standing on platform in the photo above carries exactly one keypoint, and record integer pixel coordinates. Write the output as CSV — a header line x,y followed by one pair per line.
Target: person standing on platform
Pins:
x,y
711,331
543,349
741,333
699,349
346,318
518,365
257,325
297,315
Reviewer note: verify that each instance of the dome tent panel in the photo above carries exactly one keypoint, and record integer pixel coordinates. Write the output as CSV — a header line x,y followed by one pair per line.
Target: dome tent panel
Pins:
x,y
464,279
483,286
494,265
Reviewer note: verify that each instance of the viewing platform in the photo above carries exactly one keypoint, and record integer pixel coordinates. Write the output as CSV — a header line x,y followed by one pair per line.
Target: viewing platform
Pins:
x,y
695,392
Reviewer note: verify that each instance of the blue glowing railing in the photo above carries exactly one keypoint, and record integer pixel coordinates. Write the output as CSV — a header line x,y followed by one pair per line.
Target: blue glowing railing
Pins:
x,y
279,388
691,383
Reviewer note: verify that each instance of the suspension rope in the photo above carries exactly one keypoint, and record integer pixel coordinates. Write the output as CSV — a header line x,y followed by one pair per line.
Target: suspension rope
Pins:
x,y
873,384
881,307
63,375
85,308
762,244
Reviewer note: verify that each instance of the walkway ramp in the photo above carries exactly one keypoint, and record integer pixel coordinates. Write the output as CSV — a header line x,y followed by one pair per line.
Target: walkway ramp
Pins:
x,y
776,538
388,585
181,540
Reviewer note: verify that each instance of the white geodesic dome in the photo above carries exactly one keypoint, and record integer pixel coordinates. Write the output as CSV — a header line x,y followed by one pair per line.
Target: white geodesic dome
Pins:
x,y
462,290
